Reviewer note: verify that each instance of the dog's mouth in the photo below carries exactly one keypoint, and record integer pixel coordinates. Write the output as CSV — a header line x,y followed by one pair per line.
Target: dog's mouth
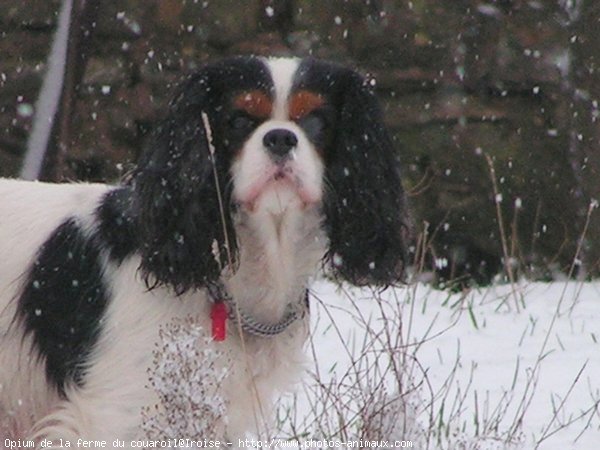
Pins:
x,y
279,175
278,190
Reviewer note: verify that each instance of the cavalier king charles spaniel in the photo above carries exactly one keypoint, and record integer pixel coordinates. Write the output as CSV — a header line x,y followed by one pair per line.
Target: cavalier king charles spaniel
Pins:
x,y
262,172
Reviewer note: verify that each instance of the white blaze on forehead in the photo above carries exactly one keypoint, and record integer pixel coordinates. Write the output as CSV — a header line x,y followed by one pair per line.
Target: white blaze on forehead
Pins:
x,y
282,73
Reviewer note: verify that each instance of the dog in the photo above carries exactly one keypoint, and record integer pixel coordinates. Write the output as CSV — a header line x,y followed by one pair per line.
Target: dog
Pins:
x,y
263,172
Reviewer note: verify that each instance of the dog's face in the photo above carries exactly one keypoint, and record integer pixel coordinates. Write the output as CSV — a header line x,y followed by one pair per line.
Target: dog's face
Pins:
x,y
286,134
276,134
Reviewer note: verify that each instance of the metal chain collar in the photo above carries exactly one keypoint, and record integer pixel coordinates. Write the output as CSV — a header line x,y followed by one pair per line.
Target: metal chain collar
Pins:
x,y
249,324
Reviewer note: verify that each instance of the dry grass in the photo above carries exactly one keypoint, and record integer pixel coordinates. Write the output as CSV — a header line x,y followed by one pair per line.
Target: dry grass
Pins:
x,y
383,391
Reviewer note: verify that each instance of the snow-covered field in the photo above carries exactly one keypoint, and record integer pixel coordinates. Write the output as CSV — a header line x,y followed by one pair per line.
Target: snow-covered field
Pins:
x,y
496,368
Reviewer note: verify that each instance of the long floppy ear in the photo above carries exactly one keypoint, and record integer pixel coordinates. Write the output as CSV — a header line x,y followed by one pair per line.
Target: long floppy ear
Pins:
x,y
365,210
180,225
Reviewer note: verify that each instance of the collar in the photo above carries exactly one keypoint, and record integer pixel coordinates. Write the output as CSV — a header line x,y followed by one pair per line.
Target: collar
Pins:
x,y
224,307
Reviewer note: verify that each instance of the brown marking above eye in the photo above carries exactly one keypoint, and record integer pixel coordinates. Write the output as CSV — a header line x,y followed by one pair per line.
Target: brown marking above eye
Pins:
x,y
303,103
255,103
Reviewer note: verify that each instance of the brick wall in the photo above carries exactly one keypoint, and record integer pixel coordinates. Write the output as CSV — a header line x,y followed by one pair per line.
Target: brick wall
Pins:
x,y
459,80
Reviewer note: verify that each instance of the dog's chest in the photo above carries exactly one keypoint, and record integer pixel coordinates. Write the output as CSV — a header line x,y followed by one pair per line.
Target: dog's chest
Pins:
x,y
137,334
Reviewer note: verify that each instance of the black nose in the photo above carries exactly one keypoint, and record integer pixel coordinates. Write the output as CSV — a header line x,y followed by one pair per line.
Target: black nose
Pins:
x,y
280,141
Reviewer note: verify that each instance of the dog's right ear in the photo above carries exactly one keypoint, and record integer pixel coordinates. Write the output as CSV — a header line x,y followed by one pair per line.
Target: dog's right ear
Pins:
x,y
179,219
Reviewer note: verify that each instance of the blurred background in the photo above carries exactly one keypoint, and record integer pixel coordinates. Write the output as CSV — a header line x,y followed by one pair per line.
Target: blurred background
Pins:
x,y
493,106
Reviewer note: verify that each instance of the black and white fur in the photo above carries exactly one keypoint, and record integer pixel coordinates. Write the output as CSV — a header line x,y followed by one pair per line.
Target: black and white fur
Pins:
x,y
90,272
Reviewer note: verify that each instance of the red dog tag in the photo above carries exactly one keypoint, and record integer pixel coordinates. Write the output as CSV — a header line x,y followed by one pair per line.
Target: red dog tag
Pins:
x,y
218,316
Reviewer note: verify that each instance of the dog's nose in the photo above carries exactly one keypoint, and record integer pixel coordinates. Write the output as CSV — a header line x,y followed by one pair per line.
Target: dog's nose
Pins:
x,y
280,141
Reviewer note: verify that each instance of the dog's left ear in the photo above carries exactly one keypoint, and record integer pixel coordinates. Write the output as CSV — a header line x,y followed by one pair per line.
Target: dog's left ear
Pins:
x,y
366,217
180,225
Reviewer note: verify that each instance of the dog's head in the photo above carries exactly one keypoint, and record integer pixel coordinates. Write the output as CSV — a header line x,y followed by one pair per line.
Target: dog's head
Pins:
x,y
286,134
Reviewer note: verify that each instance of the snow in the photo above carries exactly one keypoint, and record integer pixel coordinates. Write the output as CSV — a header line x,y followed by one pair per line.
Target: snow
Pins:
x,y
473,361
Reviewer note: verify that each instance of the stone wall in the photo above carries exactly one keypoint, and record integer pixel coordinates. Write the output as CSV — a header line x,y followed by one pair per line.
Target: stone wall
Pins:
x,y
461,81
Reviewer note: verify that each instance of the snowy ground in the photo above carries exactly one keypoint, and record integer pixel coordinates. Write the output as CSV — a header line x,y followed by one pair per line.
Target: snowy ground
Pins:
x,y
497,368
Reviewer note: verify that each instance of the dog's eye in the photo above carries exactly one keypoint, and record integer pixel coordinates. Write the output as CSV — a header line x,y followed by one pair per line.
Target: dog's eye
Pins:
x,y
240,120
316,122
313,124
